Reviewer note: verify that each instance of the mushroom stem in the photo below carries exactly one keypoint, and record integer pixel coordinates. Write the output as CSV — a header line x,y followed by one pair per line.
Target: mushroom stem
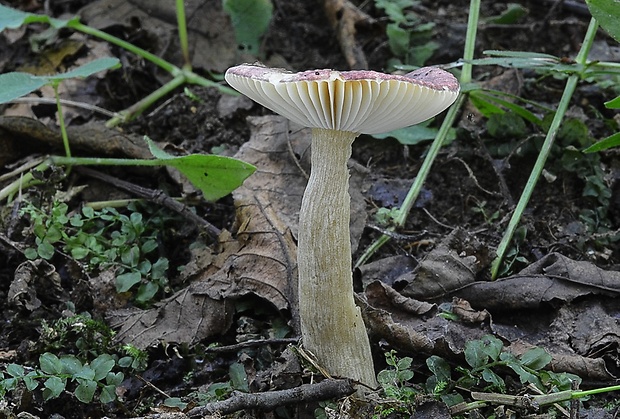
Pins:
x,y
331,324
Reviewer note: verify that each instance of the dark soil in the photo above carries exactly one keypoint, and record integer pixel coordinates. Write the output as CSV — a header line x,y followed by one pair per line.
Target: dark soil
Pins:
x,y
474,185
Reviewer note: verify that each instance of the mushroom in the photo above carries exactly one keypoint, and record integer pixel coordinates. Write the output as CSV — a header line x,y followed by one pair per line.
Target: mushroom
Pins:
x,y
339,106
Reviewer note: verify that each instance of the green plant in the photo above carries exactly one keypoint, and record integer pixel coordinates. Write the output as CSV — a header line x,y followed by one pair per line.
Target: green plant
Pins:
x,y
65,373
104,239
395,386
409,37
486,359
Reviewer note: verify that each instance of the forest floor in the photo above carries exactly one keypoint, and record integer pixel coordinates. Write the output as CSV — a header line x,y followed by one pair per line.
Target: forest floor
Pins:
x,y
220,321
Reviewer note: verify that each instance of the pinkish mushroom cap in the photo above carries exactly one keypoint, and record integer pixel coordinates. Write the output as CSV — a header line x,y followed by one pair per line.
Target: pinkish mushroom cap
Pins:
x,y
359,101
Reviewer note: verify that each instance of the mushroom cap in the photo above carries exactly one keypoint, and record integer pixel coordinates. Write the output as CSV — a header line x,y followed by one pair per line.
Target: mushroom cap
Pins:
x,y
360,101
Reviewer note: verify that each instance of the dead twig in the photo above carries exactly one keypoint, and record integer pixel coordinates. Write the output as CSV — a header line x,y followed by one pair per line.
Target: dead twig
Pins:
x,y
325,390
250,344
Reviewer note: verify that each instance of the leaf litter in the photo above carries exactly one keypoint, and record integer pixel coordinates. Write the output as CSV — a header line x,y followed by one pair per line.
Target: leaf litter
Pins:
x,y
565,305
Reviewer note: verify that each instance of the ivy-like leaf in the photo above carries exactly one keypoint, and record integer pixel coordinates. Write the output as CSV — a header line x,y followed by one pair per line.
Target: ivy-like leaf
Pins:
x,y
53,387
102,365
50,364
536,358
85,391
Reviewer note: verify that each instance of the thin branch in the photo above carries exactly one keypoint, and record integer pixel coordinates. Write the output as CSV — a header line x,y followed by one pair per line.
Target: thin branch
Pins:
x,y
325,390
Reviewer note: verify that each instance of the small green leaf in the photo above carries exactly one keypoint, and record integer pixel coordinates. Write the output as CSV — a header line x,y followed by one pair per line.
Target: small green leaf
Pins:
x,y
512,14
493,379
85,391
86,373
70,365
127,280
102,365
15,370
238,377
613,104
53,387
250,20
607,14
175,402
604,144
440,368
17,84
492,346
14,85
536,358
108,394
215,176
159,268
50,364
30,381
474,354
116,379
506,126
146,292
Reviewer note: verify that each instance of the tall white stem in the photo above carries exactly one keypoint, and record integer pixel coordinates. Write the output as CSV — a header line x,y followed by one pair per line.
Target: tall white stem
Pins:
x,y
331,324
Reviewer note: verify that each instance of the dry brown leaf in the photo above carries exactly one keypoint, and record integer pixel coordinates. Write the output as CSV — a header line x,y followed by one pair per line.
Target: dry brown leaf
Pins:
x,y
261,258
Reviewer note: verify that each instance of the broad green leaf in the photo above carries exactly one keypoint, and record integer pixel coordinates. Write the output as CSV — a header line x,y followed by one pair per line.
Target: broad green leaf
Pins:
x,y
512,14
30,381
146,292
604,144
175,402
85,391
102,365
17,84
115,379
11,18
607,14
14,85
15,370
250,20
53,387
70,365
492,346
50,364
85,373
536,358
108,394
506,125
415,134
613,104
399,39
127,280
440,368
474,354
238,377
215,176
88,69
493,379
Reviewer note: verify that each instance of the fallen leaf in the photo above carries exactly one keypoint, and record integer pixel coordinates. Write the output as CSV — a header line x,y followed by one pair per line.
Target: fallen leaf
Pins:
x,y
261,258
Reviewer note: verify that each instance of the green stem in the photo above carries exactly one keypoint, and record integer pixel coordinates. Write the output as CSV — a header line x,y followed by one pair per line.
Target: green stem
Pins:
x,y
448,122
182,28
161,63
137,108
99,161
567,95
61,120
